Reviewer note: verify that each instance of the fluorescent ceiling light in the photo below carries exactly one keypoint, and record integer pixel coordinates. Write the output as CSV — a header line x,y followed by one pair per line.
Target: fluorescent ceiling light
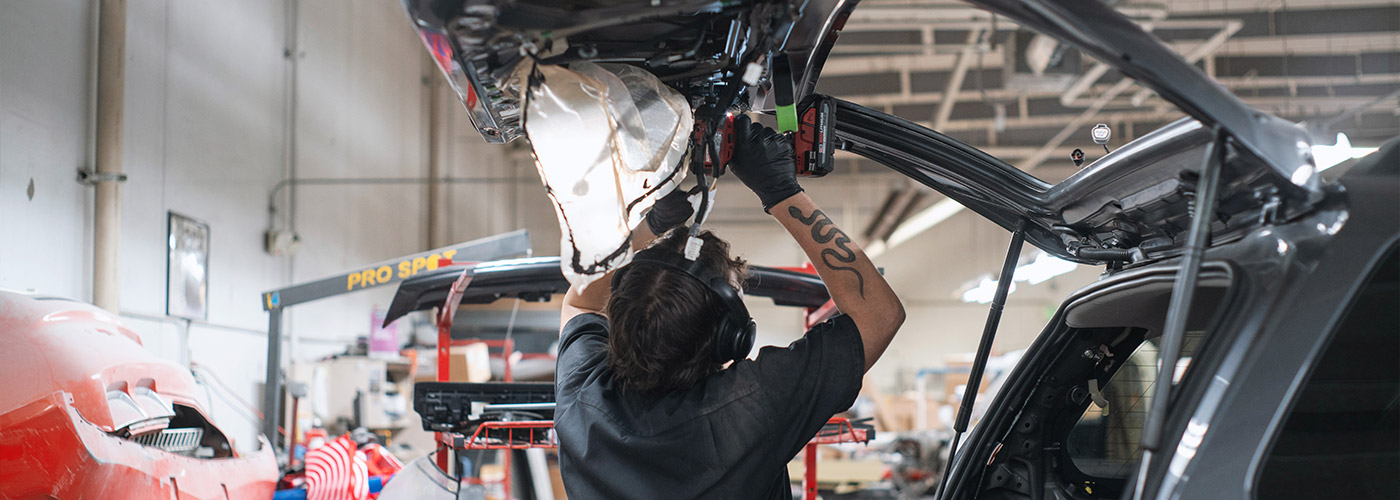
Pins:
x,y
984,291
1035,272
1044,267
920,222
1329,156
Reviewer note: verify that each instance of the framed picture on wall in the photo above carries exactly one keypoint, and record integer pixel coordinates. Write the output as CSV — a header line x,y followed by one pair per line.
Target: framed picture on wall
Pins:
x,y
187,268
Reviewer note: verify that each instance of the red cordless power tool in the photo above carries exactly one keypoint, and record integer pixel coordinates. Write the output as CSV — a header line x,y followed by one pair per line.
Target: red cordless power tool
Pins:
x,y
813,141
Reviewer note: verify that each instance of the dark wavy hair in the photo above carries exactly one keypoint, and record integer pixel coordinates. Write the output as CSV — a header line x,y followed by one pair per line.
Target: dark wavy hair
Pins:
x,y
662,323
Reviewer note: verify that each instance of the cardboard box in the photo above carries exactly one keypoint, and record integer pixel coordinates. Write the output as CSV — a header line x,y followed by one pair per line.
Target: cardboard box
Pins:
x,y
469,363
556,480
959,373
899,413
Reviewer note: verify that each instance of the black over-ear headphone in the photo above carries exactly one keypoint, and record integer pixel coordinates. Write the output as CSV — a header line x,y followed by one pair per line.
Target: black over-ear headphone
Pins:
x,y
735,335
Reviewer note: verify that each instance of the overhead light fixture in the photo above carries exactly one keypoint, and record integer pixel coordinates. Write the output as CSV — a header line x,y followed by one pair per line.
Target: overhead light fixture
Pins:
x,y
1044,267
1330,156
984,291
1035,272
897,207
918,223
1039,53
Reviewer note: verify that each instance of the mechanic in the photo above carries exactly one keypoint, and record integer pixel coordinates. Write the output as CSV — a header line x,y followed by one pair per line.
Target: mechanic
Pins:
x,y
646,406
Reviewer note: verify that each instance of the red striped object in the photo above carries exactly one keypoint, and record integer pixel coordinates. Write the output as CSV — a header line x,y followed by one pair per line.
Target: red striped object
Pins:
x,y
336,471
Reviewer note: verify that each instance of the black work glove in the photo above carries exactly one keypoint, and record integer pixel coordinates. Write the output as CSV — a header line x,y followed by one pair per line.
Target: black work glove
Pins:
x,y
764,160
668,212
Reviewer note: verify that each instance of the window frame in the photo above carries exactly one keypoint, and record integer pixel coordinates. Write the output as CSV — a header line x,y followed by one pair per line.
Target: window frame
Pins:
x,y
1314,358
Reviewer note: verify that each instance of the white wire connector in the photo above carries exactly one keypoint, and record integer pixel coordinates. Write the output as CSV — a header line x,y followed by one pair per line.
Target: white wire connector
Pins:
x,y
752,72
692,248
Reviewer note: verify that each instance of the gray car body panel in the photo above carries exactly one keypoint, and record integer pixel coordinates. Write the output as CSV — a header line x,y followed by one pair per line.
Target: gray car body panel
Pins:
x,y
1291,286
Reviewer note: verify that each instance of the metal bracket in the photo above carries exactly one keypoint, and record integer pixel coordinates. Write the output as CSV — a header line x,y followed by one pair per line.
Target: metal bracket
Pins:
x,y
1096,393
93,178
1269,213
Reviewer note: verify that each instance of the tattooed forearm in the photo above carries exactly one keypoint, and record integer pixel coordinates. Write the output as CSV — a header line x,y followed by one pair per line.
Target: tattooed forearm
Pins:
x,y
842,253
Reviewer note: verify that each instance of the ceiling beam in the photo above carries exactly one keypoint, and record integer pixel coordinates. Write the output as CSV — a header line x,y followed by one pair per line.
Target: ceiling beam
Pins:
x,y
1193,7
1296,45
1306,45
1075,124
1175,7
955,82
1284,105
1235,83
1056,120
997,151
898,204
875,15
942,210
908,60
1198,52
917,63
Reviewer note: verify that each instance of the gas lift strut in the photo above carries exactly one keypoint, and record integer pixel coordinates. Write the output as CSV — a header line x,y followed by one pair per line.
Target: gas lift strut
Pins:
x,y
984,350
1178,310
1183,290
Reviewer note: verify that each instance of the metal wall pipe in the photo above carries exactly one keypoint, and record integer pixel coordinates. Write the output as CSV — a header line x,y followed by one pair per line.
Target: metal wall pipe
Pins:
x,y
435,233
374,181
291,53
107,216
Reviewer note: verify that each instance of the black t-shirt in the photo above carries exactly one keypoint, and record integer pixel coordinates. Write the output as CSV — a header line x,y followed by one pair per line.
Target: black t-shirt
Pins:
x,y
729,436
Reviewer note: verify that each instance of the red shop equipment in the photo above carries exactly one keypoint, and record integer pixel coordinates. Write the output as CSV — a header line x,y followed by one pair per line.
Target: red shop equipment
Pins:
x,y
453,413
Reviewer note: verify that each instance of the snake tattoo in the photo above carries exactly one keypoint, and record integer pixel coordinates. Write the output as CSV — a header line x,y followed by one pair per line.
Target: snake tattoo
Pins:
x,y
842,253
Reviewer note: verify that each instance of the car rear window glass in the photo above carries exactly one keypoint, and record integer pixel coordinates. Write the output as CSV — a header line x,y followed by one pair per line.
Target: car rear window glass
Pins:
x,y
1341,439
1105,443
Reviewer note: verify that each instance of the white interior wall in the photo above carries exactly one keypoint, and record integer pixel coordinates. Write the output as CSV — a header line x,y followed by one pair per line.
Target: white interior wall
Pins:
x,y
205,133
44,115
510,195
360,113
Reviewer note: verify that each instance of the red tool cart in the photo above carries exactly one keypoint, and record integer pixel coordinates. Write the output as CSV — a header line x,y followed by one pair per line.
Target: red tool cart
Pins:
x,y
538,279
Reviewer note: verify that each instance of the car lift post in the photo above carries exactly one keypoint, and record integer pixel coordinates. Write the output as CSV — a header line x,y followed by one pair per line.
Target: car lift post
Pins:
x,y
514,243
272,389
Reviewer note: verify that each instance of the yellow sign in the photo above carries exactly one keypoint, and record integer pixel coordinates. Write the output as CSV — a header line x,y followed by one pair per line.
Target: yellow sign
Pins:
x,y
396,271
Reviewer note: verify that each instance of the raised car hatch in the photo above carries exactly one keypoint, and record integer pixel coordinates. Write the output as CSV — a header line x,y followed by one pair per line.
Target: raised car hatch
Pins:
x,y
1129,206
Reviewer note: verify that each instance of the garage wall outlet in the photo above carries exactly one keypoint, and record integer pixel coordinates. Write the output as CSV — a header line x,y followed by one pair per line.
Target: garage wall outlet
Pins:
x,y
281,242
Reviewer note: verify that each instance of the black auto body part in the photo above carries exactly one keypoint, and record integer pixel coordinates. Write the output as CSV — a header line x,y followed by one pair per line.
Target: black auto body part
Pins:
x,y
701,48
1105,217
1017,450
1286,286
448,406
478,44
984,350
1203,206
538,279
1127,208
717,39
